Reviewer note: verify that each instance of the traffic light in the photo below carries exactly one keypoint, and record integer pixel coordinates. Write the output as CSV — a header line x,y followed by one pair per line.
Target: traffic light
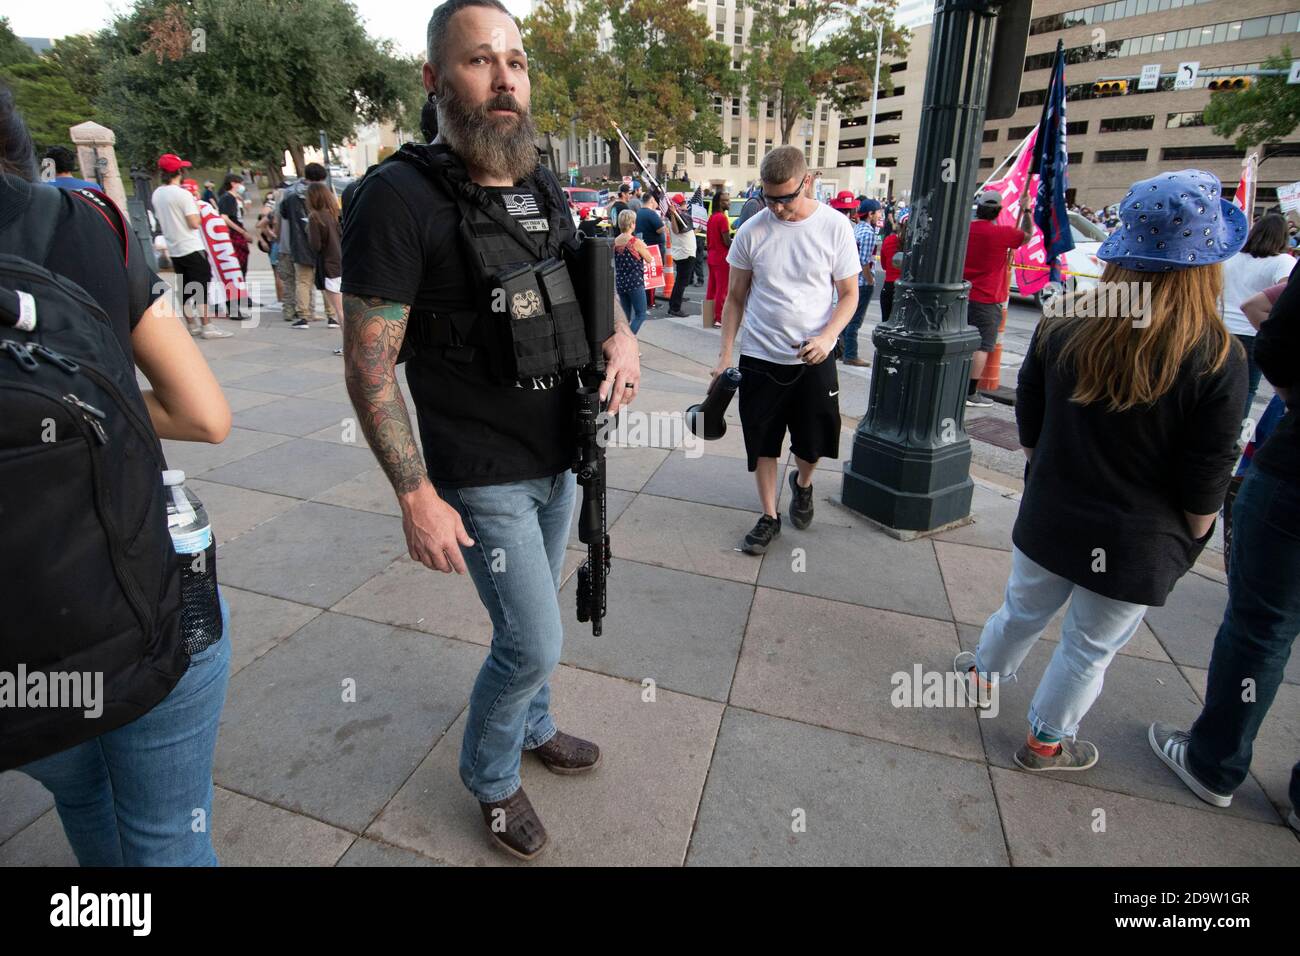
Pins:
x,y
1110,88
1228,83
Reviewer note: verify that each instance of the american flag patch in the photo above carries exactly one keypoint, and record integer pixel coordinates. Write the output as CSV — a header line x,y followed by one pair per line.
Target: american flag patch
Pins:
x,y
520,204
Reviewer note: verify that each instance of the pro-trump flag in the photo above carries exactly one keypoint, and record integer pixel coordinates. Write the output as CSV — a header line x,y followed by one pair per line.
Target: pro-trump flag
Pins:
x,y
1050,165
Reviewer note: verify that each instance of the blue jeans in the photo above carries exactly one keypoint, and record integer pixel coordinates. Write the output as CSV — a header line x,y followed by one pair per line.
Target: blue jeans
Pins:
x,y
131,797
1094,630
849,337
1259,627
634,307
519,531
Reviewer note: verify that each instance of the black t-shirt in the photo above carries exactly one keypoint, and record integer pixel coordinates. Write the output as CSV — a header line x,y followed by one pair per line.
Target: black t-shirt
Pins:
x,y
228,205
401,242
1277,350
88,251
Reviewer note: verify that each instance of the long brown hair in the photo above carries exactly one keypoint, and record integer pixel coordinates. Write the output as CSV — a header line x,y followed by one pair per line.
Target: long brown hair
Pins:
x,y
321,204
1127,353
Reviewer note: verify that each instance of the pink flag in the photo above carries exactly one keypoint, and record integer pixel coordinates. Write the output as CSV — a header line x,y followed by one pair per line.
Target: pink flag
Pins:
x,y
1012,187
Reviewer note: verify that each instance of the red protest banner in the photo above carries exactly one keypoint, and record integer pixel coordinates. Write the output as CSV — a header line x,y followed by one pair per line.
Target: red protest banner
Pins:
x,y
227,281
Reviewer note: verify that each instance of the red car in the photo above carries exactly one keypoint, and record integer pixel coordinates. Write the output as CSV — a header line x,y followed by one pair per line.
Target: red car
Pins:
x,y
582,199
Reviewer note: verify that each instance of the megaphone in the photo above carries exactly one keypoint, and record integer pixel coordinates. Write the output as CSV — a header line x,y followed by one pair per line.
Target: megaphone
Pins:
x,y
705,420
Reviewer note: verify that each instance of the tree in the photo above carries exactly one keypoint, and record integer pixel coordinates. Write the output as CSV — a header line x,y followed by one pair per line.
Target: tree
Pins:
x,y
47,102
12,49
220,81
82,62
655,77
1264,113
802,55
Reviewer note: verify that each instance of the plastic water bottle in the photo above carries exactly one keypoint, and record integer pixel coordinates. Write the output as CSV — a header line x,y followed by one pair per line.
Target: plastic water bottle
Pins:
x,y
192,537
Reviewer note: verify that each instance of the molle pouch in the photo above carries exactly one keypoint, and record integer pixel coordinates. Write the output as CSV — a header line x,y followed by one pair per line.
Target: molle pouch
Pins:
x,y
526,322
570,331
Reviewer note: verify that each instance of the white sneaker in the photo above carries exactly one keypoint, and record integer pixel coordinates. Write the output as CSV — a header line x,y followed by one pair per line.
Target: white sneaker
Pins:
x,y
194,329
211,332
978,401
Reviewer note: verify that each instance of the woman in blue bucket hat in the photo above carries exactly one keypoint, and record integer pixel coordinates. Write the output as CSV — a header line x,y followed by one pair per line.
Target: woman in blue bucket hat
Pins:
x,y
1129,410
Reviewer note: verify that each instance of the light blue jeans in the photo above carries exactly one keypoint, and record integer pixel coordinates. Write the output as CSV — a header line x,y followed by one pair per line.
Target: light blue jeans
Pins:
x,y
1094,630
634,307
141,795
519,531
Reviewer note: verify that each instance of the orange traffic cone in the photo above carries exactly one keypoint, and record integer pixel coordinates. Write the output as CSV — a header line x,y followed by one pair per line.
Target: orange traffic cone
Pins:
x,y
669,276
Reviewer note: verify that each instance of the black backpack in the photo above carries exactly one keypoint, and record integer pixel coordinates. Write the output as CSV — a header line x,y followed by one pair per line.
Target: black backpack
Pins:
x,y
89,579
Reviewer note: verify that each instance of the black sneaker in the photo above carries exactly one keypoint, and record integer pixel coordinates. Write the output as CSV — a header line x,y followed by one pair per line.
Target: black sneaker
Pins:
x,y
331,324
757,540
801,502
301,324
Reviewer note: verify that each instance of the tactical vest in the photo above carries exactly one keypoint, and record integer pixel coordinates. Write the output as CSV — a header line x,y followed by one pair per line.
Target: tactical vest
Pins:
x,y
527,320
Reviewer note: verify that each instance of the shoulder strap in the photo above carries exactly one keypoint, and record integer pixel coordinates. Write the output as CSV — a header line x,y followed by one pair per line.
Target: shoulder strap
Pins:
x,y
112,215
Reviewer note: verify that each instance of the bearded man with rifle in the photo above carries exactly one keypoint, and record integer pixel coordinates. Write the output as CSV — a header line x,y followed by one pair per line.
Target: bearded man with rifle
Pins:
x,y
460,259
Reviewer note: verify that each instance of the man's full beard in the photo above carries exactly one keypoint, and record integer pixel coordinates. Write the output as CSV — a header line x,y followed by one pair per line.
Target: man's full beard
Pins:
x,y
498,144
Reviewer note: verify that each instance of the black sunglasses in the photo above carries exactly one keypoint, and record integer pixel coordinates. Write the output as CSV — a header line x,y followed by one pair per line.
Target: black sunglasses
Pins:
x,y
785,200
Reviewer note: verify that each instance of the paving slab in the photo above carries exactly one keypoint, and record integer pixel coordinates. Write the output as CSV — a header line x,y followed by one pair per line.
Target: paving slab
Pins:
x,y
1050,822
711,480
975,579
635,809
227,371
248,832
859,566
233,510
294,416
1277,747
832,665
1190,619
348,432
630,468
40,844
294,380
300,468
995,515
241,398
1137,692
289,738
681,630
701,539
332,393
197,458
369,491
258,623
22,801
313,554
284,355
865,802
371,853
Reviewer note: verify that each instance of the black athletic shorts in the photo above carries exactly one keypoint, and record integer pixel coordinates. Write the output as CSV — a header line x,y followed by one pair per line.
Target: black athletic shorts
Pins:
x,y
985,316
801,398
195,275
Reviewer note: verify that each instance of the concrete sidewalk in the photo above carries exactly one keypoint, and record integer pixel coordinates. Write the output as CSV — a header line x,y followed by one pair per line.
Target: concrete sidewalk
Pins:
x,y
743,704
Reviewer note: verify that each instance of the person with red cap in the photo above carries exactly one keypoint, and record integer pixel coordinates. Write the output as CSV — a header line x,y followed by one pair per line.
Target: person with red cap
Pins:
x,y
682,249
177,212
846,203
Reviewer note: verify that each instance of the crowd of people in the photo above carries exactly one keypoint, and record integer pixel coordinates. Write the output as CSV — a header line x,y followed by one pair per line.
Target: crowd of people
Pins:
x,y
1130,429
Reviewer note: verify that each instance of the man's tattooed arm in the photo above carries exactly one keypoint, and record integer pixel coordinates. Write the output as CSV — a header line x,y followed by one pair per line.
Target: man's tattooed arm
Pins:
x,y
373,330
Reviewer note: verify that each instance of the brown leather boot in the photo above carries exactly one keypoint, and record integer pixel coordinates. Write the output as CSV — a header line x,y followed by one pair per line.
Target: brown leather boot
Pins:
x,y
565,753
515,826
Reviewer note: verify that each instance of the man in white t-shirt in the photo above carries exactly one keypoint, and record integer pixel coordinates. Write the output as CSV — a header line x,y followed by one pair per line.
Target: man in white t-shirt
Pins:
x,y
178,217
788,263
